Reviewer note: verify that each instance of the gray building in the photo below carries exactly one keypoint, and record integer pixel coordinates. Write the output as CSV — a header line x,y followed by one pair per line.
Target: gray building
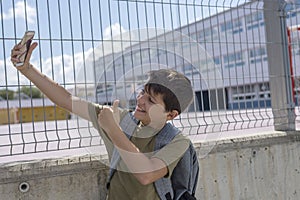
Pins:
x,y
224,55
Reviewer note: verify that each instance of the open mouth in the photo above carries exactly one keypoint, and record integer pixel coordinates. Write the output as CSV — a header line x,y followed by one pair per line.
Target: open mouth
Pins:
x,y
140,109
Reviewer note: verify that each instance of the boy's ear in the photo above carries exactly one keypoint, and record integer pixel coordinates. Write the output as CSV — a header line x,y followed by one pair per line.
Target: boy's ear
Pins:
x,y
172,114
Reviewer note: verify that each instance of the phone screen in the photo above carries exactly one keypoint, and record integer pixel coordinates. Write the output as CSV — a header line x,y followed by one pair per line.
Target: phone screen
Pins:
x,y
25,42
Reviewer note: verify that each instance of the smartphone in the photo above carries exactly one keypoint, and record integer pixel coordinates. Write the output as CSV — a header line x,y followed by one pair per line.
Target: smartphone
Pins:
x,y
25,42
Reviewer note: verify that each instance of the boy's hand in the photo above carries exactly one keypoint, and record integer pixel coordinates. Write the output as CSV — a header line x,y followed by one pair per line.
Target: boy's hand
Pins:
x,y
16,52
116,112
109,117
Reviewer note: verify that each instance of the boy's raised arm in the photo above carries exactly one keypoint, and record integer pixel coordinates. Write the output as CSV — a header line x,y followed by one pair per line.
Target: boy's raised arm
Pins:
x,y
56,93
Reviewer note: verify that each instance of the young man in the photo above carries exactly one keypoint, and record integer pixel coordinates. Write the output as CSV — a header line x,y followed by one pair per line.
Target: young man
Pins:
x,y
138,163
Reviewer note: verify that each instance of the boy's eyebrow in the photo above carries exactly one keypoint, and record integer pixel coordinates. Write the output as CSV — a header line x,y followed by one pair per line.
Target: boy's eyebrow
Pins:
x,y
155,100
149,93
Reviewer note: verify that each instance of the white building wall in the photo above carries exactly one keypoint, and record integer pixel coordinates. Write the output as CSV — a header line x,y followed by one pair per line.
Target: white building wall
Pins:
x,y
233,41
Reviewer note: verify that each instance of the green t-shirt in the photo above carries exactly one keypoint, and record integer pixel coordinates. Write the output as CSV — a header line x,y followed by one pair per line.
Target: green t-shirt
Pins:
x,y
123,184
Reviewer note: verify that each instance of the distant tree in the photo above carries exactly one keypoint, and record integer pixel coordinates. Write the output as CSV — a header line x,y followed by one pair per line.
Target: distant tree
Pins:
x,y
6,94
32,92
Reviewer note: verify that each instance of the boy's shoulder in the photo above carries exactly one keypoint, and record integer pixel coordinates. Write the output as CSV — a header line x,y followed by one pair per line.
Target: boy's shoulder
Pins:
x,y
167,134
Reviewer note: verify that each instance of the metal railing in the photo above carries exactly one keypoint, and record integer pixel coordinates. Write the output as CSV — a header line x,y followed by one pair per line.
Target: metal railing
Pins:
x,y
242,61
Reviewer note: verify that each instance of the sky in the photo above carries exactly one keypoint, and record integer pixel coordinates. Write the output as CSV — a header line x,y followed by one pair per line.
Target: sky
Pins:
x,y
67,31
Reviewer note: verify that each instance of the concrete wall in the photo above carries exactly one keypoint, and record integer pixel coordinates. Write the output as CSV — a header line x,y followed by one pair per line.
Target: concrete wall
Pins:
x,y
78,178
264,167
254,168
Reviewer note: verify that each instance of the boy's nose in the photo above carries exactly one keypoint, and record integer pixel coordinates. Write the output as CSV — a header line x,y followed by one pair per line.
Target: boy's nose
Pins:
x,y
141,98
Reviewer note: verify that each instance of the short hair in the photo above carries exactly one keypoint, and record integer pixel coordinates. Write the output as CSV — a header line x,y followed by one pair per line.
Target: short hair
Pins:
x,y
175,88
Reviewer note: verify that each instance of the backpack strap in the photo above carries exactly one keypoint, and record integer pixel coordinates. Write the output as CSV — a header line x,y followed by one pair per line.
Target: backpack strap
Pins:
x,y
185,175
164,185
128,125
165,136
184,179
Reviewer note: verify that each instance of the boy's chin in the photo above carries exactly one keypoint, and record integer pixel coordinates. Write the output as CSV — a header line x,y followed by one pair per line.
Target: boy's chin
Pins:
x,y
139,116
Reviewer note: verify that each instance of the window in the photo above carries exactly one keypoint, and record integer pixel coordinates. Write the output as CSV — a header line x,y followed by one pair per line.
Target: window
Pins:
x,y
189,70
295,47
234,26
254,20
258,55
292,6
291,14
243,93
264,91
233,60
254,17
193,36
217,60
208,34
243,89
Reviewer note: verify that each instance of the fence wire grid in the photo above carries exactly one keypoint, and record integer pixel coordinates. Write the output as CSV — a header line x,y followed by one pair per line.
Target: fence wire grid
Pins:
x,y
101,51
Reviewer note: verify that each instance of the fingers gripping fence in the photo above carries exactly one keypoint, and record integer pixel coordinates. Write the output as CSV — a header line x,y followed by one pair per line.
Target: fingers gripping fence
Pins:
x,y
239,56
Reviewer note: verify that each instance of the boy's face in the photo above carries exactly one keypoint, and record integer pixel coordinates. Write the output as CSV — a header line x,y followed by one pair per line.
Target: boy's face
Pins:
x,y
150,110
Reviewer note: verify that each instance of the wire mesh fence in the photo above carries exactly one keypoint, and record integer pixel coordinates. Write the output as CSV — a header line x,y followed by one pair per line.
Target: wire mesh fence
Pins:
x,y
102,50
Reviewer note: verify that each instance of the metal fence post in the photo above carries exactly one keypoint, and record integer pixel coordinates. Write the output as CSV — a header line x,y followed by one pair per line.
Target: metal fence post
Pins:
x,y
279,65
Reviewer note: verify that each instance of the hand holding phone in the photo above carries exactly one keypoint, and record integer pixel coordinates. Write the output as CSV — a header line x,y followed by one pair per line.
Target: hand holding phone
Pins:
x,y
25,43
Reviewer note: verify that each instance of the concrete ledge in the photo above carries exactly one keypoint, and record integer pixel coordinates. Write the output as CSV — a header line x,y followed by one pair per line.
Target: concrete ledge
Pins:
x,y
73,178
258,140
261,166
16,171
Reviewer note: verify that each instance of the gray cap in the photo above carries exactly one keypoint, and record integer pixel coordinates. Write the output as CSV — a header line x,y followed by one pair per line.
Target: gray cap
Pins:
x,y
176,82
